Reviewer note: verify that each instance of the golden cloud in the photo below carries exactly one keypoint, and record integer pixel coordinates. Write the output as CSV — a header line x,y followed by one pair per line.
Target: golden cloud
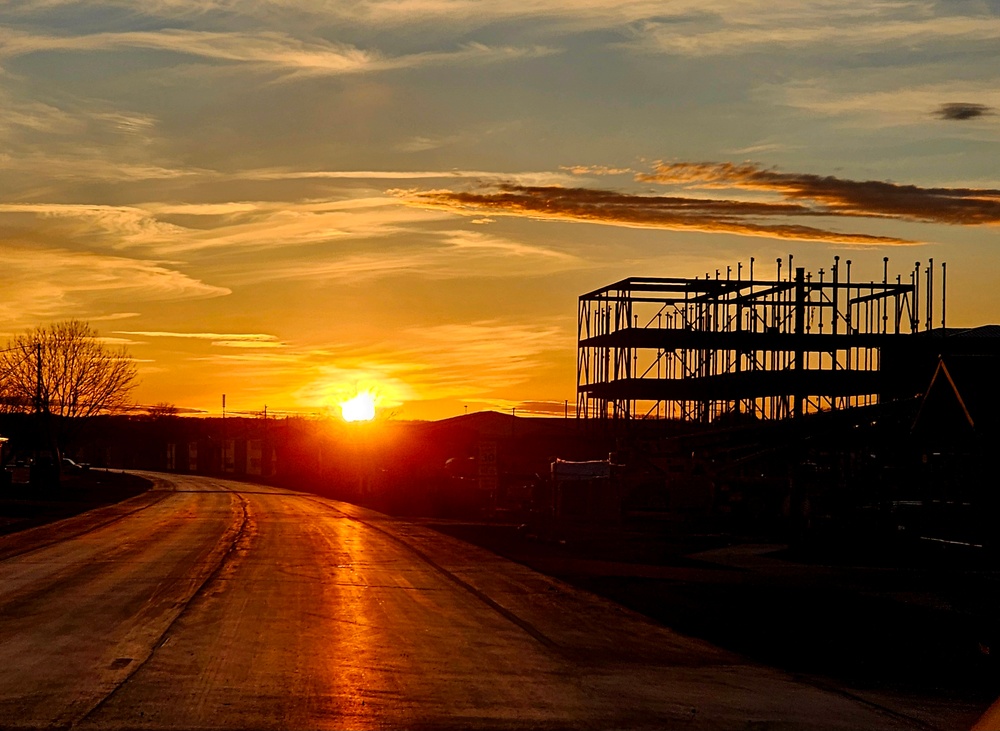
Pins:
x,y
52,283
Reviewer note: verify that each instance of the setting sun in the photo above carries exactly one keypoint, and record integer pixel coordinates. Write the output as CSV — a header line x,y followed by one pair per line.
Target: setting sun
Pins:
x,y
359,408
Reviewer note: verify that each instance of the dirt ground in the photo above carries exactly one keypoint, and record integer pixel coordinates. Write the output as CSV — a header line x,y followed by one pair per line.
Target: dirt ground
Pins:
x,y
900,627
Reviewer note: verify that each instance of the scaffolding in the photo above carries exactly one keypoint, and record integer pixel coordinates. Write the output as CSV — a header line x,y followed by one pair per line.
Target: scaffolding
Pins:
x,y
706,348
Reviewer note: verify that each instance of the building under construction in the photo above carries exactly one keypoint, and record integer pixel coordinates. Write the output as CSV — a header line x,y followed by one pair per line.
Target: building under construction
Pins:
x,y
737,344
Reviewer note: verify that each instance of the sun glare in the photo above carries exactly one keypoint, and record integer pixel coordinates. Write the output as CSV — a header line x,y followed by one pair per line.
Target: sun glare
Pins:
x,y
359,408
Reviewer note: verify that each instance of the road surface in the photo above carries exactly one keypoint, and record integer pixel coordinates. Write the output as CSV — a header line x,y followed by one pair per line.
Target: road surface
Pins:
x,y
213,604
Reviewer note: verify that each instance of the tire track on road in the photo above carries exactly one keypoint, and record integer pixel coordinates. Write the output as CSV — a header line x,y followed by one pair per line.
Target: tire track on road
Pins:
x,y
200,591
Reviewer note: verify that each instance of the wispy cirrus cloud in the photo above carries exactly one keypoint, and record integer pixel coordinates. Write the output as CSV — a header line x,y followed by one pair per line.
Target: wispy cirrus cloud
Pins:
x,y
321,240
597,170
688,25
112,316
803,26
46,140
460,14
222,340
50,283
119,226
240,225
685,28
26,115
538,177
439,255
266,51
87,164
304,223
113,341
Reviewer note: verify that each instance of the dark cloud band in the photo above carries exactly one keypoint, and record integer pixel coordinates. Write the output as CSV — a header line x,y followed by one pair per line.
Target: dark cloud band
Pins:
x,y
962,110
796,196
667,212
831,196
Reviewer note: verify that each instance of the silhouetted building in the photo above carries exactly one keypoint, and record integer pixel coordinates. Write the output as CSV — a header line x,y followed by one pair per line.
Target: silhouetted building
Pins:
x,y
743,349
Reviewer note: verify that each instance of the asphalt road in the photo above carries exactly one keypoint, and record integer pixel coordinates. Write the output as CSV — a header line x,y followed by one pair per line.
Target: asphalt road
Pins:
x,y
212,604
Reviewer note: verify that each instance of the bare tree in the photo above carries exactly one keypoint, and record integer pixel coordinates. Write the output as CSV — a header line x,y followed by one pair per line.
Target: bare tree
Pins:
x,y
64,369
162,410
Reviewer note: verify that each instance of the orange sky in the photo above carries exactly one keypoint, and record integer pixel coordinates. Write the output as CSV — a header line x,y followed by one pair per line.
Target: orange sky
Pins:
x,y
288,203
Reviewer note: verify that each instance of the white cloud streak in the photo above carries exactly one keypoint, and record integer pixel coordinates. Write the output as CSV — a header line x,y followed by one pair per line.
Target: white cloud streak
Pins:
x,y
219,340
689,27
258,226
45,284
391,13
268,51
245,225
527,177
443,255
738,28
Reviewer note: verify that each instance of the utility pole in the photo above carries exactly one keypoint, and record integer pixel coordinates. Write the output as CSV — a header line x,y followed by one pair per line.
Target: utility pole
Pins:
x,y
46,446
225,440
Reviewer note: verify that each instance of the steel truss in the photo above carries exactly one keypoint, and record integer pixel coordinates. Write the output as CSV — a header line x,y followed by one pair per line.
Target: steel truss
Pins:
x,y
702,349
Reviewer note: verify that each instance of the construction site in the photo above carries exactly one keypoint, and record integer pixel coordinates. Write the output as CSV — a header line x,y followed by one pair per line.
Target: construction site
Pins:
x,y
804,398
737,344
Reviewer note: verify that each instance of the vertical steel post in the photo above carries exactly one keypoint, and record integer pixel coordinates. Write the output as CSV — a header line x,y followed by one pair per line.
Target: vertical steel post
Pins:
x,y
800,331
836,298
930,293
944,291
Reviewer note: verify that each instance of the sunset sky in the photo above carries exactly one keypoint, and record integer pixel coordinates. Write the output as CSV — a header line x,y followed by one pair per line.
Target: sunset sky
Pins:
x,y
289,201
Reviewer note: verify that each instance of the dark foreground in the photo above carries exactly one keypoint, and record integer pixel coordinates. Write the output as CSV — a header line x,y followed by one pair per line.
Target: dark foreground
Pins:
x,y
211,604
914,628
24,506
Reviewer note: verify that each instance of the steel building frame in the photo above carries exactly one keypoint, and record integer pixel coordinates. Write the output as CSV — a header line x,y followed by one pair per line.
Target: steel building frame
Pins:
x,y
700,349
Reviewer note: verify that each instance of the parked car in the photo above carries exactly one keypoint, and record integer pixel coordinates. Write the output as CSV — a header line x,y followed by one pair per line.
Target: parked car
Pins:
x,y
70,465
